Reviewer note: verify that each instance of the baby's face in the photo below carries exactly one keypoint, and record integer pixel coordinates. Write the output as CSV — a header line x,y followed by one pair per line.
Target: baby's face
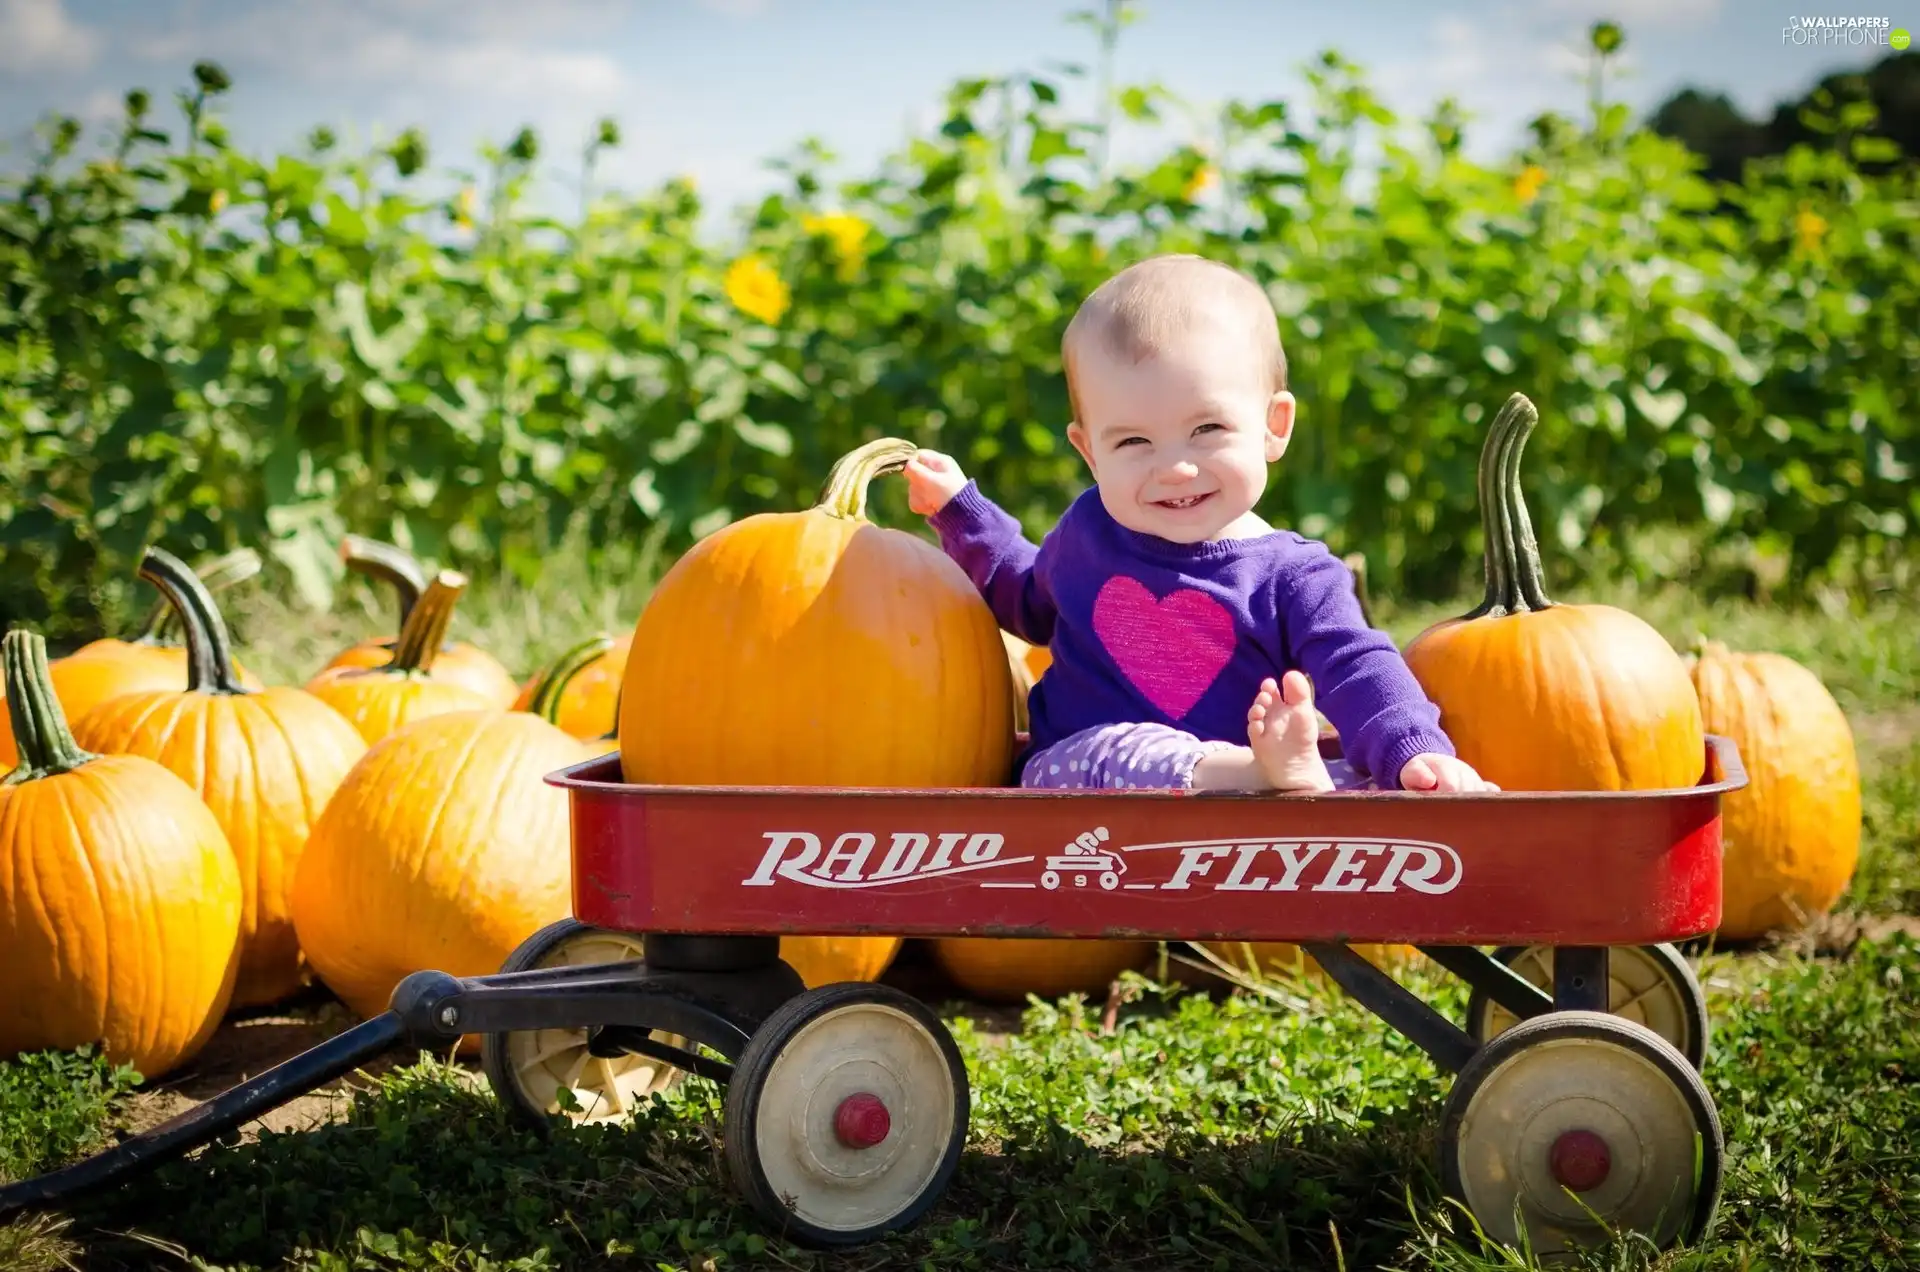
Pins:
x,y
1179,443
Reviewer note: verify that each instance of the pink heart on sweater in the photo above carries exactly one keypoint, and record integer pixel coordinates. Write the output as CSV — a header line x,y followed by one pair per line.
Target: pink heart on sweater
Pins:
x,y
1172,648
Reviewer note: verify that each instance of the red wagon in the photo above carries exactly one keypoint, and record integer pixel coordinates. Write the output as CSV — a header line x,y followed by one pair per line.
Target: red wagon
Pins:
x,y
1577,1101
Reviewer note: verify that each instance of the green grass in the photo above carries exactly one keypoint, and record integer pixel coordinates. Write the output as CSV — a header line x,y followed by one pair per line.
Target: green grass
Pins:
x,y
1228,1133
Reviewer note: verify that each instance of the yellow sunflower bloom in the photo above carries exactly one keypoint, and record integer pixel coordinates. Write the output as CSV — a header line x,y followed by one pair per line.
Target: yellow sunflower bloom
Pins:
x,y
847,233
1526,186
1809,228
756,290
1202,177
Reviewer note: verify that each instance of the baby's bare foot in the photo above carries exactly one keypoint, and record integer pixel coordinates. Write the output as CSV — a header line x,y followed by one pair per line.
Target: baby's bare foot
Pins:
x,y
1285,735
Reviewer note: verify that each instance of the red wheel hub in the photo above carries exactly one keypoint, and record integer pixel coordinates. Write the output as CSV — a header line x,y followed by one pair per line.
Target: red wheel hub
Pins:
x,y
861,1121
1580,1160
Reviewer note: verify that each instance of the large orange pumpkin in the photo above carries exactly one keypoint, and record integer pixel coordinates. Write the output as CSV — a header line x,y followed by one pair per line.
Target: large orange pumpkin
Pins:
x,y
1006,969
443,848
1546,696
590,697
818,649
265,762
455,661
378,700
1792,836
108,667
119,896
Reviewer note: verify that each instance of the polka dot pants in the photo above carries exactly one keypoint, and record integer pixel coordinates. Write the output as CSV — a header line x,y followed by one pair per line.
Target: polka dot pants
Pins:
x,y
1137,757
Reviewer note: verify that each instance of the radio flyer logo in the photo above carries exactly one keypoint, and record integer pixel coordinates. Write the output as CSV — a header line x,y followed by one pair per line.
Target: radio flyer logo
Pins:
x,y
1831,31
1091,860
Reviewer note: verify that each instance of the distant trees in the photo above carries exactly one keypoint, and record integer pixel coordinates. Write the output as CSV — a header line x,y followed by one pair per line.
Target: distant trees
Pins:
x,y
1712,126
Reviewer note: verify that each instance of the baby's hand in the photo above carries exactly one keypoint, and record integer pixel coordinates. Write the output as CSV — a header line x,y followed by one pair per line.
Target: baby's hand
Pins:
x,y
932,479
1432,772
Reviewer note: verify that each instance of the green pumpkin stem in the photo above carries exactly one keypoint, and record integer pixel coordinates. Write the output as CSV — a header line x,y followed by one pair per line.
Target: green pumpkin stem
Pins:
x,y
613,734
1514,581
845,494
424,633
385,563
554,680
40,731
209,649
162,627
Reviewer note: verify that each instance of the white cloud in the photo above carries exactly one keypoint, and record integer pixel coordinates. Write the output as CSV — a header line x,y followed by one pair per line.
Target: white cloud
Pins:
x,y
504,49
37,35
738,8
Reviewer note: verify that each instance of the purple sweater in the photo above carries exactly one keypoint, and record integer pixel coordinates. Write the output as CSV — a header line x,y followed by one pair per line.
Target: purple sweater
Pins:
x,y
1146,629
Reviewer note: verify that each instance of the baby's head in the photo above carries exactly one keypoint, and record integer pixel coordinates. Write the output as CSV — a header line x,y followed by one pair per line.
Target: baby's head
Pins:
x,y
1179,393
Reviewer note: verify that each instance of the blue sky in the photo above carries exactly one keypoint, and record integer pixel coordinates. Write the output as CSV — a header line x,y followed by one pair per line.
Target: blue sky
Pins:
x,y
712,88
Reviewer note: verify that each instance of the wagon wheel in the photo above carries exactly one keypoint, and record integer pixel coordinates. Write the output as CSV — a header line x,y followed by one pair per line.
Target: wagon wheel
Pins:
x,y
1651,985
1576,1112
528,1068
846,1114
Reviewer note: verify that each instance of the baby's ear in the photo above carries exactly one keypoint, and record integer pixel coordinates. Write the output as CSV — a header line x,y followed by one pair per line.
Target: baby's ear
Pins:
x,y
1280,417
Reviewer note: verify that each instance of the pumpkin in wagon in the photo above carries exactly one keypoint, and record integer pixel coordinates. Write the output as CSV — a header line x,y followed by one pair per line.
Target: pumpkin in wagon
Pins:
x,y
119,897
1541,695
265,762
816,648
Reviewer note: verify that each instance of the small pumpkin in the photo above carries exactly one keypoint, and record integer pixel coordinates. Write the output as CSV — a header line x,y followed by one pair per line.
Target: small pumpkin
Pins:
x,y
816,648
108,667
1006,969
1546,696
1792,836
264,761
1285,959
824,960
455,661
443,848
589,703
378,700
119,897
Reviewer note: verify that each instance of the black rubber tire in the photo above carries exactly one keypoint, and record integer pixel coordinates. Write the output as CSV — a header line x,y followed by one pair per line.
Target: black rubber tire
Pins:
x,y
1672,963
743,1106
1605,1029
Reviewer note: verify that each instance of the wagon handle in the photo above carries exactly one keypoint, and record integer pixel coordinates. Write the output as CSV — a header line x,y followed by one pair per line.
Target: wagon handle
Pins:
x,y
204,1123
